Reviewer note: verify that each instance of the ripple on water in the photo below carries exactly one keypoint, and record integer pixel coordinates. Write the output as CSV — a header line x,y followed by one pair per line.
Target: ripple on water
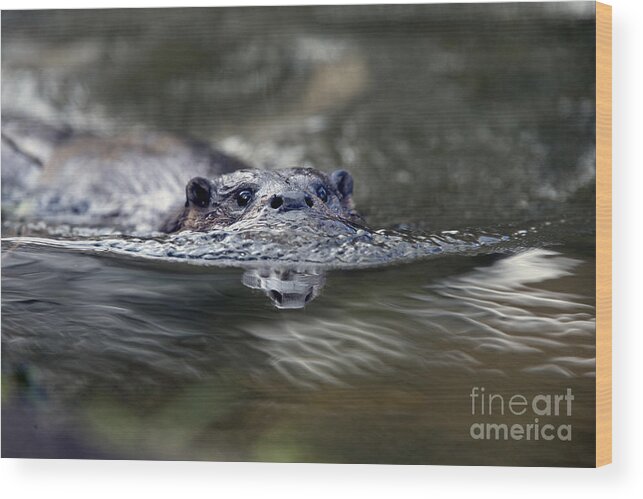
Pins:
x,y
284,243
510,316
482,322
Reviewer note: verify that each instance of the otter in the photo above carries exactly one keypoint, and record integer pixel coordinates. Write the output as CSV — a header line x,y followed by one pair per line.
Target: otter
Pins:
x,y
257,197
156,182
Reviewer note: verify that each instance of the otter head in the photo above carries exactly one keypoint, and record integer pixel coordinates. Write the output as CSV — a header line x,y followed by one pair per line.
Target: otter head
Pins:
x,y
250,197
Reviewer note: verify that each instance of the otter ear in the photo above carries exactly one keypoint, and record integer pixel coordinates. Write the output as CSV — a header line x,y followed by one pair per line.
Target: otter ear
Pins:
x,y
199,192
343,182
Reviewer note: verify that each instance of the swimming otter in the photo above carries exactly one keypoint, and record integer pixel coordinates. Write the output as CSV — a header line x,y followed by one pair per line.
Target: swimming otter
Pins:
x,y
255,197
140,182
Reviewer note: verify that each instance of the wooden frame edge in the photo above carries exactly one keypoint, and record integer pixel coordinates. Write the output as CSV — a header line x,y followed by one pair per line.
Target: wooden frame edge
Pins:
x,y
603,234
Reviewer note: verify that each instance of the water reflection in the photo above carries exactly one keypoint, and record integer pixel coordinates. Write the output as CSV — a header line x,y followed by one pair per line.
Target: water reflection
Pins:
x,y
154,360
507,318
287,287
508,315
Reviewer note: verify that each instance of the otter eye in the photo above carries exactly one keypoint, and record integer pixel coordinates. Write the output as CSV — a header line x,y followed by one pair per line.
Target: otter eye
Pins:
x,y
244,197
322,193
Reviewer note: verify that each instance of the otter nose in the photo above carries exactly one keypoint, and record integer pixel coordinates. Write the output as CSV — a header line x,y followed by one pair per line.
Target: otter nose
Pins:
x,y
292,200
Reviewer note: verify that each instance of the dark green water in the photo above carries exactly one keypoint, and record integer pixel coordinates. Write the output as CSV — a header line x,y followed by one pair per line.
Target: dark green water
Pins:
x,y
448,117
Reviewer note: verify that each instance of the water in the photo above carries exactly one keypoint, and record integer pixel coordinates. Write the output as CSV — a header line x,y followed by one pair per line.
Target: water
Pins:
x,y
474,154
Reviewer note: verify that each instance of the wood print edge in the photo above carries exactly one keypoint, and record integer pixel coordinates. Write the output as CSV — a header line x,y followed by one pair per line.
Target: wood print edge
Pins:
x,y
603,234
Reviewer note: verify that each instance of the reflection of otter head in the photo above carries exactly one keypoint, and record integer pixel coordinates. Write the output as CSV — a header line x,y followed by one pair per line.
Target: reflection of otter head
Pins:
x,y
286,287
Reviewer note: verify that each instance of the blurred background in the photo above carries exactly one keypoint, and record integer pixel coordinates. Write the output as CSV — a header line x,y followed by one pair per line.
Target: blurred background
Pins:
x,y
447,115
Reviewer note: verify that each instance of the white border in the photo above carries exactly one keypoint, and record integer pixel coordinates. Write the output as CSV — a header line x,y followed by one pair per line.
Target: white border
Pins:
x,y
103,479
